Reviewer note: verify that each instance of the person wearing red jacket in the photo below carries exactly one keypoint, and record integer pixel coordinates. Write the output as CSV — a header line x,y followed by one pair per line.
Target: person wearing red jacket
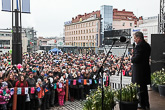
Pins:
x,y
22,97
61,91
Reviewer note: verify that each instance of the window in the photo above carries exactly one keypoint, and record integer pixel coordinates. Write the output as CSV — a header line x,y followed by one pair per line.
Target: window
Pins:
x,y
83,44
131,24
89,30
83,25
123,24
92,30
86,30
93,37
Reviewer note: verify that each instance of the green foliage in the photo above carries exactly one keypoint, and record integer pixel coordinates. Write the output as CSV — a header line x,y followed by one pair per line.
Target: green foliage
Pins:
x,y
158,78
128,93
94,100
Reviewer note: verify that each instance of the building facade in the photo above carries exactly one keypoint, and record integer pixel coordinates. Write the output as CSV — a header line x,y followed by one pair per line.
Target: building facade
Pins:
x,y
87,31
148,27
31,34
125,20
106,20
6,41
83,31
49,43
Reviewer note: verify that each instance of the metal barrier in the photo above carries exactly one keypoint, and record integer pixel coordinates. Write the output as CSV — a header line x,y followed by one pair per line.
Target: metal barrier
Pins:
x,y
115,81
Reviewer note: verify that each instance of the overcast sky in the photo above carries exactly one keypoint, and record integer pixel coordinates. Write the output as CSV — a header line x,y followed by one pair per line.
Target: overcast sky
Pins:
x,y
48,16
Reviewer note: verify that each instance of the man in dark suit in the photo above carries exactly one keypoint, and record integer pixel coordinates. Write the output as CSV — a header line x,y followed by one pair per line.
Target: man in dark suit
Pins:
x,y
141,68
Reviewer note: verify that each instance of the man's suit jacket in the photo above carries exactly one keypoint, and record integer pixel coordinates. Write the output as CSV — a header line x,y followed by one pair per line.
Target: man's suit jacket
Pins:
x,y
141,73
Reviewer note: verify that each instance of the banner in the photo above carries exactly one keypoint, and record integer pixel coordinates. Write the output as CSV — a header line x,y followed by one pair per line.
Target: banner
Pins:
x,y
90,81
60,85
38,89
26,90
6,5
26,6
32,90
95,81
55,86
11,91
79,80
19,90
74,82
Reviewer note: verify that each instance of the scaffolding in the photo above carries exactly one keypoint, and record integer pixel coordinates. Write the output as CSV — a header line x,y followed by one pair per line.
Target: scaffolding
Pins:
x,y
161,18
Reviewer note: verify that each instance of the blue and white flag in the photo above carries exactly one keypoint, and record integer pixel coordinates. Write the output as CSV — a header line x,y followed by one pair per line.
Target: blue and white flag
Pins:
x,y
6,5
26,6
16,5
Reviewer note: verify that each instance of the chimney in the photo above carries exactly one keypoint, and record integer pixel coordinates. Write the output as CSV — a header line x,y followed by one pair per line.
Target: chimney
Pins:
x,y
79,16
72,19
141,18
115,10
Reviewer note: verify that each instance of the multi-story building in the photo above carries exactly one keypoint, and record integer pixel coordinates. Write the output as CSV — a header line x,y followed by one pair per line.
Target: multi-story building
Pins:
x,y
49,43
6,41
148,27
87,31
83,31
30,33
125,20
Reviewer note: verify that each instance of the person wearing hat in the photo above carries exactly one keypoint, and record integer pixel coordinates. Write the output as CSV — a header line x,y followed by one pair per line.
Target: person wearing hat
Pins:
x,y
5,96
24,74
40,92
61,91
52,91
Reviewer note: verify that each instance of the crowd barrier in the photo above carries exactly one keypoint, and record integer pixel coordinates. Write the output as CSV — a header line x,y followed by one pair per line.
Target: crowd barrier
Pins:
x,y
114,82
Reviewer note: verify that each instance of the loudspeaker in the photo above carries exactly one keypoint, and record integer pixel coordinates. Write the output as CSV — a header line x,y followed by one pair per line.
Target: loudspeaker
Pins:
x,y
157,52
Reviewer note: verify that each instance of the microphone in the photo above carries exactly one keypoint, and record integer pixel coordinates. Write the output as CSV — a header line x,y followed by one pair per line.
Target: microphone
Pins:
x,y
133,45
122,39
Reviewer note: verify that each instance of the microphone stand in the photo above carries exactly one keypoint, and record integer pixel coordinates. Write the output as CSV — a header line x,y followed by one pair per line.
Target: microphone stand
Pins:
x,y
120,69
101,70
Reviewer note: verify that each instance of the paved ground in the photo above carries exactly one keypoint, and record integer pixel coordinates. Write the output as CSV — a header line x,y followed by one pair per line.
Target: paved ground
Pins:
x,y
76,105
157,102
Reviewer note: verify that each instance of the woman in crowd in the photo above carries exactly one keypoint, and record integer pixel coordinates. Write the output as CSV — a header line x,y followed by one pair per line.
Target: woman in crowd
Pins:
x,y
11,84
22,83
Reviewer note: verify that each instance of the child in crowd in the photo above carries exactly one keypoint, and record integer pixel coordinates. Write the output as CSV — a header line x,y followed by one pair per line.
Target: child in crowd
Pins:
x,y
61,91
4,95
40,92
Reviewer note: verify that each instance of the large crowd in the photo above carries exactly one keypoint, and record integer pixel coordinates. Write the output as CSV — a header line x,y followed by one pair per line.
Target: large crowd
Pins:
x,y
41,78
